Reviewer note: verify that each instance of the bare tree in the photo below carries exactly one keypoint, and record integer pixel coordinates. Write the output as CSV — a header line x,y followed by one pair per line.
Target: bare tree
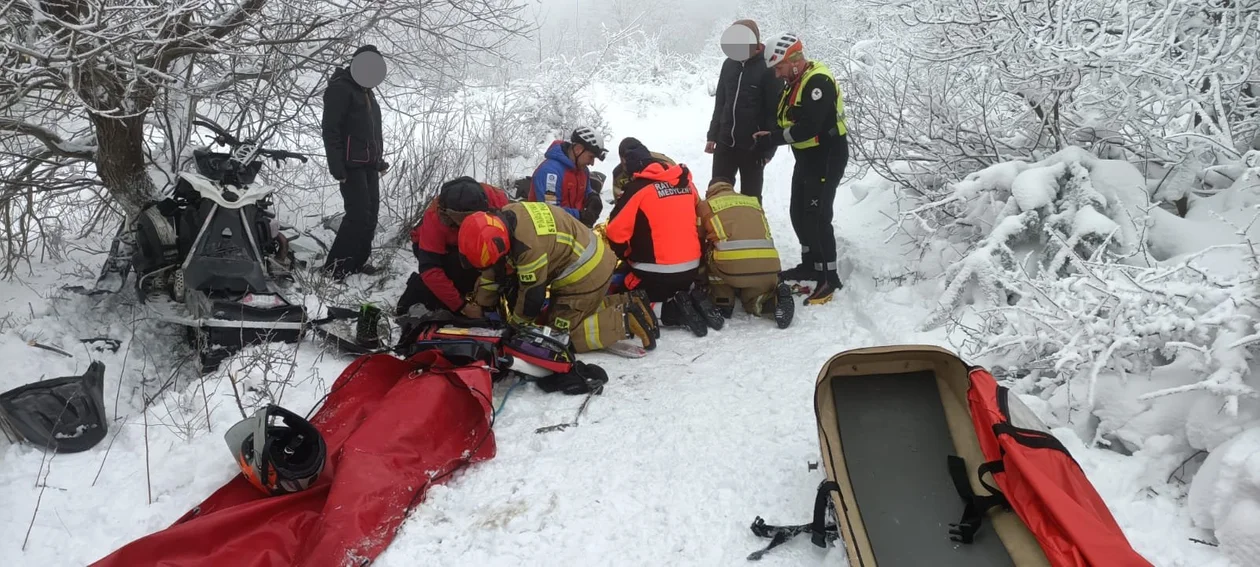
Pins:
x,y
102,91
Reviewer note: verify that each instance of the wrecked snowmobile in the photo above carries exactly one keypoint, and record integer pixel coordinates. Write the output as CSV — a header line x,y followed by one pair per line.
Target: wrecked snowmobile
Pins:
x,y
212,256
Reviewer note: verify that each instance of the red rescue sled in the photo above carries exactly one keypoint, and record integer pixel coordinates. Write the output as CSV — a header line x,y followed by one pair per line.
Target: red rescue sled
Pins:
x,y
393,428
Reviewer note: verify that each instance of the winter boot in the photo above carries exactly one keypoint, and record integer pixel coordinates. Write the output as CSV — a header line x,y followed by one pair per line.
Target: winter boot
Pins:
x,y
826,288
639,298
641,325
727,311
707,309
678,311
801,272
784,308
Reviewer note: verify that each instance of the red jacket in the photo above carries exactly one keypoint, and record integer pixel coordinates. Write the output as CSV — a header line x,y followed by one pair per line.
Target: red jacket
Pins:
x,y
655,226
436,248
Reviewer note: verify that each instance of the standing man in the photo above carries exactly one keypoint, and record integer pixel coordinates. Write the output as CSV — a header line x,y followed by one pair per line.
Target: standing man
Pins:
x,y
811,119
354,146
747,94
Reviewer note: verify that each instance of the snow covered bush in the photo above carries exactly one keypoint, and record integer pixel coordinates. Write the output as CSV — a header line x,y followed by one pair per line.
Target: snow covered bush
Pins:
x,y
1139,327
1032,218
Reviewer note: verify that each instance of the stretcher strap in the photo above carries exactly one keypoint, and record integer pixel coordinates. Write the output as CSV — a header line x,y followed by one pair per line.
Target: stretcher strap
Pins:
x,y
821,532
975,506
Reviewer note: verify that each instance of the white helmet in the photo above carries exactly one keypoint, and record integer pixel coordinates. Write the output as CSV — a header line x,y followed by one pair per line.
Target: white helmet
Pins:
x,y
781,47
591,140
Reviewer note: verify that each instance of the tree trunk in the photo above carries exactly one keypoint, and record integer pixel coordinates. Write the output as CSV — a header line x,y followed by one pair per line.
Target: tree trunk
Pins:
x,y
120,160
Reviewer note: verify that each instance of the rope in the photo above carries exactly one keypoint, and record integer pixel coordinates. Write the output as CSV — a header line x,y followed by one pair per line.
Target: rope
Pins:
x,y
505,398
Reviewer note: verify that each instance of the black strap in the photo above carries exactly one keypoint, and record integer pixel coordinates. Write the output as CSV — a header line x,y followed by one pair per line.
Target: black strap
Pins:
x,y
975,506
821,532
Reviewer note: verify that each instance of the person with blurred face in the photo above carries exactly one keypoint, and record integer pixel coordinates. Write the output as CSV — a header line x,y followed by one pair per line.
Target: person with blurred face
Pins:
x,y
745,103
354,146
810,118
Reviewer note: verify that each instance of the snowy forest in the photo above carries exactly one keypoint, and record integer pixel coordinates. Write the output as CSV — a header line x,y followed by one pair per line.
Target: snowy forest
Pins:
x,y
1065,192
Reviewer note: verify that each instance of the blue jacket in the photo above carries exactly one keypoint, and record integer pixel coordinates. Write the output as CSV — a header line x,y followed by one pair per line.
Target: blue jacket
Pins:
x,y
559,182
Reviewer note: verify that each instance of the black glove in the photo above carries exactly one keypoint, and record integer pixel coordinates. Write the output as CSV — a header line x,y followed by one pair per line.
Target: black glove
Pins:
x,y
591,209
383,166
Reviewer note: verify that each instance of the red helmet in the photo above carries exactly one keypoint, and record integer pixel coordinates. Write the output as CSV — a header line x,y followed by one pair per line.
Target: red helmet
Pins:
x,y
483,239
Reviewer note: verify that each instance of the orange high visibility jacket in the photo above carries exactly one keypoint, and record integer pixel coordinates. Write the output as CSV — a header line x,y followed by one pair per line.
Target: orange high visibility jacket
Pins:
x,y
655,227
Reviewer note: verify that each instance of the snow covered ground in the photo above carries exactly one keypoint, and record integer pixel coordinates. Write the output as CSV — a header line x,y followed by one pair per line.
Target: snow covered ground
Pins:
x,y
669,466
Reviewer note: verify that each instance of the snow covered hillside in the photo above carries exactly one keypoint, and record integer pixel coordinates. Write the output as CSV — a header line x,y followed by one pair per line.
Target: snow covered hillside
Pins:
x,y
669,466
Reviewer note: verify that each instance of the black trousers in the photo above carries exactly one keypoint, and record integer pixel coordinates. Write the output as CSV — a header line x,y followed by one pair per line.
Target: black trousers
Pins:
x,y
361,194
727,161
814,181
660,287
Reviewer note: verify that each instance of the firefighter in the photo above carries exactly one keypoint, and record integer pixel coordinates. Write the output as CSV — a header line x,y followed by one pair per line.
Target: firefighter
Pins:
x,y
655,230
811,119
441,280
538,249
740,259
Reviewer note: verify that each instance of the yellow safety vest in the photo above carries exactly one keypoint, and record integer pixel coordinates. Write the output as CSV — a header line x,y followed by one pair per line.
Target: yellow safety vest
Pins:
x,y
815,68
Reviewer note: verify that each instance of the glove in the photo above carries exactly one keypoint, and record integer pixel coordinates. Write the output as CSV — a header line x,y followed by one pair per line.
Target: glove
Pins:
x,y
591,209
383,166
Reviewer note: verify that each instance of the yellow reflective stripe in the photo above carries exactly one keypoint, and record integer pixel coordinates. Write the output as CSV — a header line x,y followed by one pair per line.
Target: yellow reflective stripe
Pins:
x,y
718,230
514,318
586,268
756,254
533,266
590,328
719,204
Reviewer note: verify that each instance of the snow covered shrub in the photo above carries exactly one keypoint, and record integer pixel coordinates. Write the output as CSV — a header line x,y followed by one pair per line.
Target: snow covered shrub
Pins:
x,y
1225,496
1151,81
1031,218
1141,340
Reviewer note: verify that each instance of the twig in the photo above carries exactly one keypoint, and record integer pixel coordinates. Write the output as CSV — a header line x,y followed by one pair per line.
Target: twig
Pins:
x,y
49,348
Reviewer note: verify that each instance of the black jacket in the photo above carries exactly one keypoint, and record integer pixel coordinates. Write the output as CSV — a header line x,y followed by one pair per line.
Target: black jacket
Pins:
x,y
746,100
351,126
814,116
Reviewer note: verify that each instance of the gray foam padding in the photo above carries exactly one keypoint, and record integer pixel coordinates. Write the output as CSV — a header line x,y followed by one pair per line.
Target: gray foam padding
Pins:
x,y
895,440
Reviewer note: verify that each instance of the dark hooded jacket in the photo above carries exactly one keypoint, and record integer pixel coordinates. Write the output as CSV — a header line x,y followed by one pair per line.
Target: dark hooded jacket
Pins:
x,y
746,102
351,126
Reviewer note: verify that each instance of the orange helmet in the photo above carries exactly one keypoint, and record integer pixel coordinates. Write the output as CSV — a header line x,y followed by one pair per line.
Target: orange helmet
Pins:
x,y
483,239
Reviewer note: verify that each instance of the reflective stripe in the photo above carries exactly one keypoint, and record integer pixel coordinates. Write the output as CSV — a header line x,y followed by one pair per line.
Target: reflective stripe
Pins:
x,y
590,328
718,230
825,266
533,266
757,254
665,268
743,244
723,202
585,264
